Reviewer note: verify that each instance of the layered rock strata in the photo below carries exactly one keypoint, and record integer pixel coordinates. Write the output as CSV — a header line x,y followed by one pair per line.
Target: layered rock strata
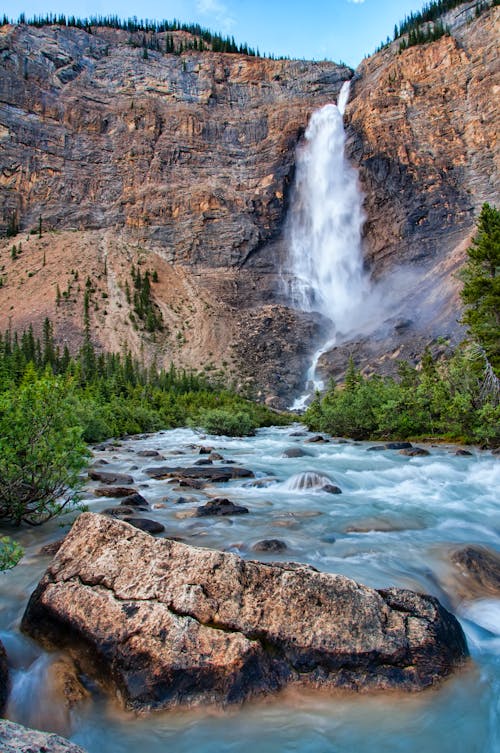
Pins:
x,y
172,625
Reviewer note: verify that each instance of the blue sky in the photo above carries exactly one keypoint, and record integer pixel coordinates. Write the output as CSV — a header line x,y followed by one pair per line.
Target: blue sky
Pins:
x,y
344,30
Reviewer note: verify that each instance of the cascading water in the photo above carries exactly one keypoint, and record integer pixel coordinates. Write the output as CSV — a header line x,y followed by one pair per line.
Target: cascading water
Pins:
x,y
325,231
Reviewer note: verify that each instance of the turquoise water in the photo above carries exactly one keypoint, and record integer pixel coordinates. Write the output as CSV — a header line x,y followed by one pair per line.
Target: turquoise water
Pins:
x,y
395,523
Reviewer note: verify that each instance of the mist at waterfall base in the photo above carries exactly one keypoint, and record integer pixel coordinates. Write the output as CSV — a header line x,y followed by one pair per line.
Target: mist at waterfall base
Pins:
x,y
395,524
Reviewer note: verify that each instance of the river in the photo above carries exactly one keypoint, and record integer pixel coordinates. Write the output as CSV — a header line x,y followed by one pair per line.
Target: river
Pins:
x,y
395,523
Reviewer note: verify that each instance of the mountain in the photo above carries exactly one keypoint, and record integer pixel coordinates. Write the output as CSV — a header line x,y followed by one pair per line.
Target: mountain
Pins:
x,y
120,160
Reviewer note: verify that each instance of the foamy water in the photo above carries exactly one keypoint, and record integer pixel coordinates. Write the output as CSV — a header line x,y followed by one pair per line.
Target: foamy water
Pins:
x,y
395,523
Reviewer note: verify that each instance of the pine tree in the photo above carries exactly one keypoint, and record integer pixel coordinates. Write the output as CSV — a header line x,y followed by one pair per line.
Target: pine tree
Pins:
x,y
481,290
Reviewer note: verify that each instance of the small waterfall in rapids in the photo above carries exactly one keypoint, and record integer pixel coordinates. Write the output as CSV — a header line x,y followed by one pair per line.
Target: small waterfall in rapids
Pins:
x,y
325,232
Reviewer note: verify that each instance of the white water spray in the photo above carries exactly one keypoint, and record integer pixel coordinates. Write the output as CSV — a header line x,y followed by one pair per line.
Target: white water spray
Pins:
x,y
325,232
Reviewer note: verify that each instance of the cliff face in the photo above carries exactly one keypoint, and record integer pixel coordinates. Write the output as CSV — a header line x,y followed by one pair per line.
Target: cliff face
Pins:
x,y
182,164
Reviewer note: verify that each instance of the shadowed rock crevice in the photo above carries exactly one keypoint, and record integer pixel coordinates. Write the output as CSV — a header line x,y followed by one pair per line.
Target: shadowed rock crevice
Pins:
x,y
173,624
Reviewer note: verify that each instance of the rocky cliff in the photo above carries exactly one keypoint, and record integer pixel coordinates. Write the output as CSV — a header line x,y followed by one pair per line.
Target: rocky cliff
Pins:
x,y
182,165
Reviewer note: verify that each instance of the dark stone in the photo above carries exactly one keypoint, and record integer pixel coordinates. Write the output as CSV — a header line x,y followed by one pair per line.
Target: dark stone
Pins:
x,y
108,477
398,445
190,483
99,462
204,461
50,549
270,545
213,474
135,500
185,500
215,456
113,491
149,454
146,525
220,506
298,434
376,448
463,453
205,450
415,452
332,489
295,452
317,438
480,569
4,678
121,510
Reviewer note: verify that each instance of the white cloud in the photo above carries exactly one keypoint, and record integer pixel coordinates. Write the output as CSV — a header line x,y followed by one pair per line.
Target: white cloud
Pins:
x,y
218,12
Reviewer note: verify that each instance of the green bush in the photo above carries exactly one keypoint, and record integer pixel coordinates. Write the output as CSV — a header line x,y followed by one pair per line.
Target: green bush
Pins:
x,y
41,450
10,553
219,421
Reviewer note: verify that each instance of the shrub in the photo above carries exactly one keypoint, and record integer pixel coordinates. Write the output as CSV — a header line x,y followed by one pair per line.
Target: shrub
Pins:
x,y
219,421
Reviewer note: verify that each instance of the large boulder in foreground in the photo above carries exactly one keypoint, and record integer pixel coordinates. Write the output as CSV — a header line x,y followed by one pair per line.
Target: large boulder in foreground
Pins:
x,y
15,738
172,624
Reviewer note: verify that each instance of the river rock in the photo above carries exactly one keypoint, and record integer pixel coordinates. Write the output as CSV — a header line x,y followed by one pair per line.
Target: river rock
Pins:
x,y
214,475
398,445
135,500
295,452
174,625
276,546
120,511
113,491
317,438
146,524
414,452
48,550
215,456
479,571
15,738
331,489
109,477
150,454
4,678
463,453
220,506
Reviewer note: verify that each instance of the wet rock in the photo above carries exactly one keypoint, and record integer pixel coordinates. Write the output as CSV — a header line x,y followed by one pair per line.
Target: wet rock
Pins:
x,y
4,678
149,454
146,524
215,456
317,438
205,450
311,480
65,683
220,506
190,483
295,452
215,475
298,434
204,461
17,739
113,491
479,571
109,477
463,453
398,445
261,483
100,462
414,452
218,629
185,500
121,510
275,546
48,550
496,451
135,500
376,448
331,489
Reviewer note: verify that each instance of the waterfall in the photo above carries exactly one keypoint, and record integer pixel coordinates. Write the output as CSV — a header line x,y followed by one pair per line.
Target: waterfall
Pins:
x,y
325,231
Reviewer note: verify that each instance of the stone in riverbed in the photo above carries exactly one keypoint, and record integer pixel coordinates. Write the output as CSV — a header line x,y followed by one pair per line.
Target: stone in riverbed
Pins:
x,y
173,625
276,546
197,473
398,445
17,739
146,524
4,678
414,452
479,570
150,454
464,453
114,491
295,452
109,477
220,506
317,438
135,500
